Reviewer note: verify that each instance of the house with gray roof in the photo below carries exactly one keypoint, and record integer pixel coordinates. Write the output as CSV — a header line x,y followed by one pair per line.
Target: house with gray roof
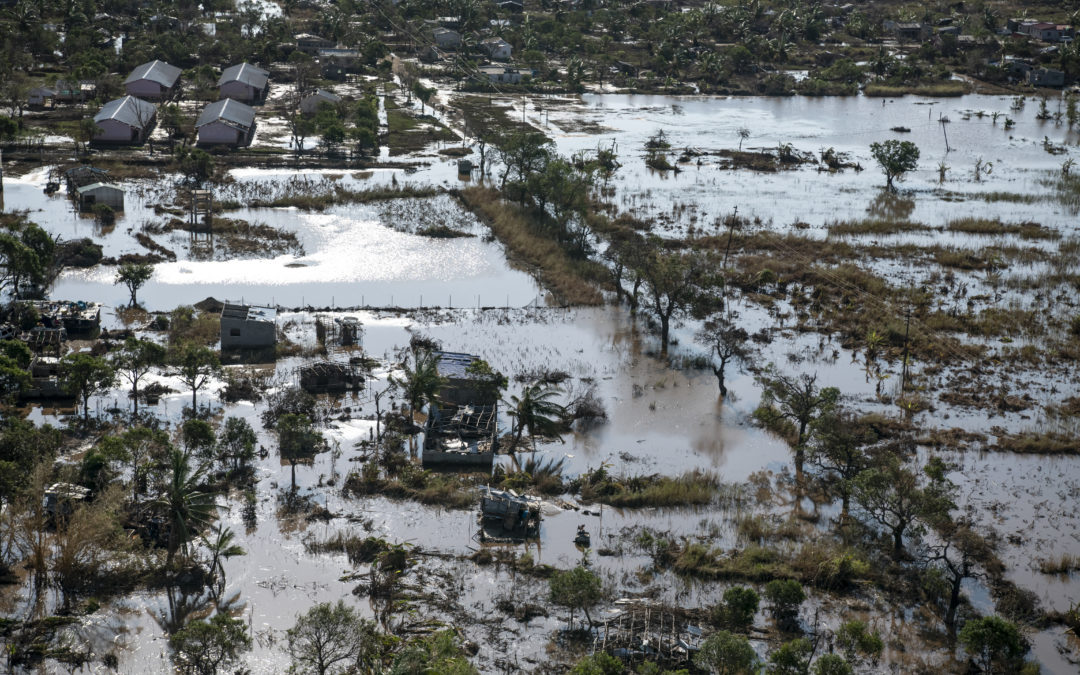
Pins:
x,y
155,80
226,122
127,120
244,82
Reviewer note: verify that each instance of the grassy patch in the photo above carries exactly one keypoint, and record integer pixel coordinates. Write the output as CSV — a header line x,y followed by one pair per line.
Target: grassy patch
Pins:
x,y
408,133
454,491
694,488
994,226
1039,443
562,275
358,549
1063,564
949,88
878,227
340,195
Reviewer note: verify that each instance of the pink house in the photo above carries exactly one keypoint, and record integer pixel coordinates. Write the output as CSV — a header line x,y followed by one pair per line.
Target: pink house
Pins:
x,y
226,122
125,121
244,82
154,80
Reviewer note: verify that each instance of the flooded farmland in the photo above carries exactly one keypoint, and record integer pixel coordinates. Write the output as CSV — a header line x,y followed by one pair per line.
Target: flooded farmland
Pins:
x,y
986,362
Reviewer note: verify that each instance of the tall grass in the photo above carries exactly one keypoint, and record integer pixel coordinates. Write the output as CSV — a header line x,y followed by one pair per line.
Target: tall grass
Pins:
x,y
994,226
543,256
693,488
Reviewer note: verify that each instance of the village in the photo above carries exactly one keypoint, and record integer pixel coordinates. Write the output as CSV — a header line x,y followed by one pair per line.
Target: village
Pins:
x,y
542,337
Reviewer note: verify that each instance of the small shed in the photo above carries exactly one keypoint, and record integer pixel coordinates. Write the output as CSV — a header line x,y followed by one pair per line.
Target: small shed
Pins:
x,y
127,120
244,82
226,122
60,498
42,97
93,194
500,75
309,105
330,376
515,515
245,326
153,80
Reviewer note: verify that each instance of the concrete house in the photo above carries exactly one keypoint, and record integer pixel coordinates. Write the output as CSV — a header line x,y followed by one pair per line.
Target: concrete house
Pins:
x,y
311,44
446,38
42,97
244,82
309,105
226,122
243,326
500,74
93,194
127,120
907,32
155,80
1046,77
497,48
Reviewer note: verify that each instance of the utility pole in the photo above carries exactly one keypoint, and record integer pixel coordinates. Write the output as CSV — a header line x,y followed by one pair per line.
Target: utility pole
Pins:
x,y
907,329
944,120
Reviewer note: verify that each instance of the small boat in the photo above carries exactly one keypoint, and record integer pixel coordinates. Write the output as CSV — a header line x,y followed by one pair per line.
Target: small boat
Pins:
x,y
582,538
901,130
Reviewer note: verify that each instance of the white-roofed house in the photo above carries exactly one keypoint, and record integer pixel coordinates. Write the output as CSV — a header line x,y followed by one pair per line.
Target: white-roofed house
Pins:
x,y
153,80
127,120
226,122
497,48
244,82
309,105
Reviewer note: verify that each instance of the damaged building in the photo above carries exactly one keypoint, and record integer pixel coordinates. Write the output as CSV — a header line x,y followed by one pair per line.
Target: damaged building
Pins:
x,y
463,424
506,514
248,327
330,377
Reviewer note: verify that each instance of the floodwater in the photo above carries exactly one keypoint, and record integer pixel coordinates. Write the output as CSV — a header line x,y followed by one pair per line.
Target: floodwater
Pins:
x,y
660,420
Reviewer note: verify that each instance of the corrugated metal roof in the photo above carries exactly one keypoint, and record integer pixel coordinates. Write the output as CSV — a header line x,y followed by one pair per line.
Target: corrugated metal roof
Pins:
x,y
95,186
454,364
229,111
325,95
132,111
246,73
155,71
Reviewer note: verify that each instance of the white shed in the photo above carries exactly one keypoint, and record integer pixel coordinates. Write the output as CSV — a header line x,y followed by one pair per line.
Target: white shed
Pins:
x,y
100,193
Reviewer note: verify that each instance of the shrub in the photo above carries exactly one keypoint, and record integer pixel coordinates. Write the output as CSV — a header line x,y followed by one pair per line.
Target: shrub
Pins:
x,y
785,596
738,608
994,643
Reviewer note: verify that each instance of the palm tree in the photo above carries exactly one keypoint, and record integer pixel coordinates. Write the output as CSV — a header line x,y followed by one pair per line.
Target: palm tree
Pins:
x,y
185,505
422,382
222,546
537,411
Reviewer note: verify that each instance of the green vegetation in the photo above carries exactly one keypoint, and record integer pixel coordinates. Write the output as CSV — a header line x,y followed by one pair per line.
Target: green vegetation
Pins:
x,y
689,489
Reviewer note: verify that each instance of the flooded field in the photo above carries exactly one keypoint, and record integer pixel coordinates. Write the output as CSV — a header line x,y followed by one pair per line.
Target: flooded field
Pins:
x,y
663,416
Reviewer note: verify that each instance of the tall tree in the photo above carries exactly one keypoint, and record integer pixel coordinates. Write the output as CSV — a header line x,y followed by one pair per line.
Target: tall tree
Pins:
x,y
297,440
86,375
209,647
333,639
196,365
795,403
575,589
135,359
889,494
895,158
839,452
134,276
421,383
676,282
727,343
